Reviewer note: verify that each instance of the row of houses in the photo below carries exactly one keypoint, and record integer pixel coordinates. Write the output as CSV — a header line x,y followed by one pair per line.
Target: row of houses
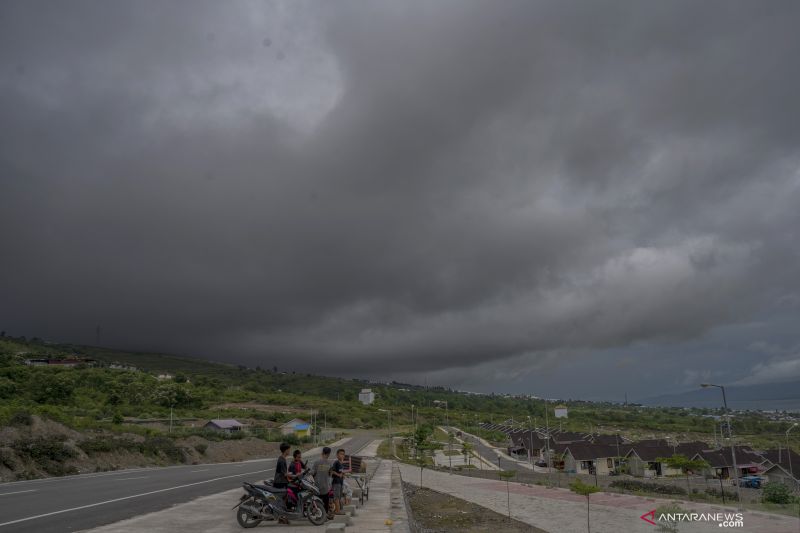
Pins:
x,y
590,453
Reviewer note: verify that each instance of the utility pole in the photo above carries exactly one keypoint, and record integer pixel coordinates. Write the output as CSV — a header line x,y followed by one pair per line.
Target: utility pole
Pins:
x,y
170,418
730,436
789,450
530,444
549,459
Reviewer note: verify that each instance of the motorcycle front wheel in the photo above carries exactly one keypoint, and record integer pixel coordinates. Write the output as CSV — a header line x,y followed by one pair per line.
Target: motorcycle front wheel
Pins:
x,y
245,519
316,511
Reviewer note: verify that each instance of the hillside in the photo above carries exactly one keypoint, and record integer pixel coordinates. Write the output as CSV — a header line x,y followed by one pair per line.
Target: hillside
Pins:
x,y
768,396
131,398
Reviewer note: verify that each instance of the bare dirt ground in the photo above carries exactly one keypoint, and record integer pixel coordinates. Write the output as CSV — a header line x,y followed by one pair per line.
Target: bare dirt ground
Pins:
x,y
436,512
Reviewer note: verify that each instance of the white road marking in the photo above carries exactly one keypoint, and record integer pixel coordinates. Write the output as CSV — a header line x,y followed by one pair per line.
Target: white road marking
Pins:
x,y
17,492
127,498
204,470
122,472
126,478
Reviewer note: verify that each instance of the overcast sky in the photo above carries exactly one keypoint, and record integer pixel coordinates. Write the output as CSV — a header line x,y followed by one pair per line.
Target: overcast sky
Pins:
x,y
569,199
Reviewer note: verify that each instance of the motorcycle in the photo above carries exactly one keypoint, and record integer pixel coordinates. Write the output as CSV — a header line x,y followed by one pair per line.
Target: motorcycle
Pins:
x,y
265,502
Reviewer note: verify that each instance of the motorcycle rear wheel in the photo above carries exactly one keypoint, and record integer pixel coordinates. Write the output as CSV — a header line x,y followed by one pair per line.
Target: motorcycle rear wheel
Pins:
x,y
245,519
316,512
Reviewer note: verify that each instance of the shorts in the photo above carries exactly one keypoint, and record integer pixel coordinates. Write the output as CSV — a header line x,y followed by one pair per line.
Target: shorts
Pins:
x,y
337,491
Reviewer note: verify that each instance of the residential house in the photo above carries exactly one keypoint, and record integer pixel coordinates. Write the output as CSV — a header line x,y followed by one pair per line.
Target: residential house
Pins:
x,y
533,441
568,437
783,466
588,458
721,463
227,425
643,461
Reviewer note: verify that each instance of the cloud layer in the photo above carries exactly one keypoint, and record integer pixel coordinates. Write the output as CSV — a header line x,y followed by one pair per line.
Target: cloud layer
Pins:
x,y
395,190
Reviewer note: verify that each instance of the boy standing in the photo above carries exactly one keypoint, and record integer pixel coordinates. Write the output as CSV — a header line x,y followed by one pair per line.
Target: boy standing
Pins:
x,y
337,472
281,479
322,476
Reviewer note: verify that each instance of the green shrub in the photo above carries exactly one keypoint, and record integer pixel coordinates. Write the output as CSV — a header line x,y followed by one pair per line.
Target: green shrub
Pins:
x,y
109,444
162,446
644,486
42,449
7,459
776,493
201,448
21,418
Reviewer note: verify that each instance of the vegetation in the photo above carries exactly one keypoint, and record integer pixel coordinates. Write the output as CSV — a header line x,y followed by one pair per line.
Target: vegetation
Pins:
x,y
666,524
507,475
777,493
632,485
122,401
584,489
685,465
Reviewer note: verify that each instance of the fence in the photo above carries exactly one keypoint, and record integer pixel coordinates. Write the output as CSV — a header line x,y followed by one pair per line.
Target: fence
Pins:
x,y
696,489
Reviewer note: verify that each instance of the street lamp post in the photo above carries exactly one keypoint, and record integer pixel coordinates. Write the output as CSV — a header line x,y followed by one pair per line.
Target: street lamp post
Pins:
x,y
530,443
730,436
391,439
547,443
789,450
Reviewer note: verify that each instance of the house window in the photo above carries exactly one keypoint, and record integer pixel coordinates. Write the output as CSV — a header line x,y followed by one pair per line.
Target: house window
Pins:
x,y
586,465
610,462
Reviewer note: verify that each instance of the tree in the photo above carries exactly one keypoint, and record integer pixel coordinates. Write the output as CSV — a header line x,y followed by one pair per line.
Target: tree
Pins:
x,y
579,487
466,449
685,465
451,439
507,475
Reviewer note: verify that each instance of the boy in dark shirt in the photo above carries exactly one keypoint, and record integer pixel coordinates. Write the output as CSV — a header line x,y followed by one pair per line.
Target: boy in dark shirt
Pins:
x,y
337,475
282,475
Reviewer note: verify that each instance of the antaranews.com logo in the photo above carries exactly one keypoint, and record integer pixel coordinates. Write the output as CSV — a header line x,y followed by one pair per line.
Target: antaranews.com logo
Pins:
x,y
721,519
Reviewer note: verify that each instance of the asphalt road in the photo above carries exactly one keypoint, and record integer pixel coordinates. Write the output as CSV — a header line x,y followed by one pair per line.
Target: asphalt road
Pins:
x,y
490,455
81,502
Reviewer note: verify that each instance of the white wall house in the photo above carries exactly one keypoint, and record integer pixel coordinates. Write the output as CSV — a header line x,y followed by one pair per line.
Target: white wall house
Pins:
x,y
366,396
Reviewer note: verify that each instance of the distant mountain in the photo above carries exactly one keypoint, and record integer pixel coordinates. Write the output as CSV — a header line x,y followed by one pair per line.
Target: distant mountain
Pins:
x,y
767,396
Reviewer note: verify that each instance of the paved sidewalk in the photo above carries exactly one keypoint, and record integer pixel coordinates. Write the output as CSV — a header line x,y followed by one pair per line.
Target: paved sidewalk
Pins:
x,y
561,511
213,514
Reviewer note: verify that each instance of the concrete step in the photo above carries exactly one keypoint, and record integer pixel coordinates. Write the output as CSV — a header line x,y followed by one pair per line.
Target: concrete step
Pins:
x,y
335,527
342,519
350,509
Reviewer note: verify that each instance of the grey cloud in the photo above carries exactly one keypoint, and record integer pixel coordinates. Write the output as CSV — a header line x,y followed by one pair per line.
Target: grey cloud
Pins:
x,y
397,188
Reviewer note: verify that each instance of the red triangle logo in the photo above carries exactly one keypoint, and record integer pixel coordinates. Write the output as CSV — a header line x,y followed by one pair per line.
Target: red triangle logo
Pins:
x,y
651,514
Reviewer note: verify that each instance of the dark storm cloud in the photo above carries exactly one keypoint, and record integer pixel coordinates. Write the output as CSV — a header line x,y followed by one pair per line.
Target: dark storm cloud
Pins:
x,y
397,188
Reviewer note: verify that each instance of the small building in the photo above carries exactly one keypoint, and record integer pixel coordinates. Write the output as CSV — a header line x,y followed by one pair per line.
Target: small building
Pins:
x,y
587,458
297,427
561,411
643,461
228,425
783,469
366,396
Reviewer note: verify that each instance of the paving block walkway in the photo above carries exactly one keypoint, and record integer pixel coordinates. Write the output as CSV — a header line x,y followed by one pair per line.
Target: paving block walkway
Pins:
x,y
561,511
213,514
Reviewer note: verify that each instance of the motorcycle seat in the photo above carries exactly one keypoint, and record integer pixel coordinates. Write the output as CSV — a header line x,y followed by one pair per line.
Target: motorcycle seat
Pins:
x,y
270,488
